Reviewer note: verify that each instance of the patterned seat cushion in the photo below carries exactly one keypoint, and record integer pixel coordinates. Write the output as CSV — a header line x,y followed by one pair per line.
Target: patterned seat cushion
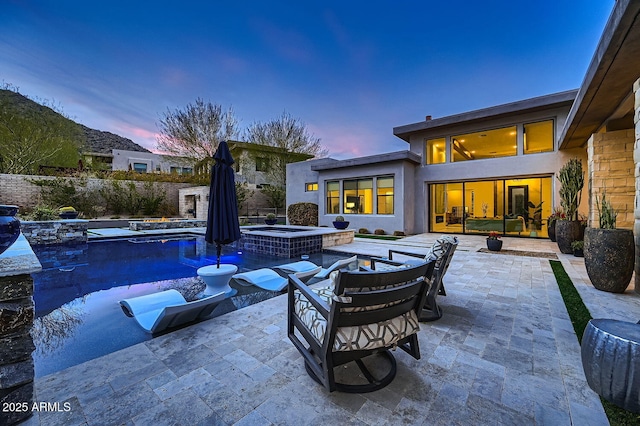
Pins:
x,y
369,336
439,247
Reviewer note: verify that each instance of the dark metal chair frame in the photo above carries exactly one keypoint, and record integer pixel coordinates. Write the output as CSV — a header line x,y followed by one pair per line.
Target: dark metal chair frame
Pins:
x,y
431,311
406,286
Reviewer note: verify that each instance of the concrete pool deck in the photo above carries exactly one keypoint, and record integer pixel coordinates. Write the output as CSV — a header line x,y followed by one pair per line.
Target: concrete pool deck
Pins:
x,y
504,352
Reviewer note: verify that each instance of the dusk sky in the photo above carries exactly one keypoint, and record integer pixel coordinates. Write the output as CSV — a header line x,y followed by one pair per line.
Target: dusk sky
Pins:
x,y
350,70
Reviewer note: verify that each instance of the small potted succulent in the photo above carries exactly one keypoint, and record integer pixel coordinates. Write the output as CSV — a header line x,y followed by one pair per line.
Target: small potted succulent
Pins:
x,y
494,243
578,248
67,213
340,223
271,219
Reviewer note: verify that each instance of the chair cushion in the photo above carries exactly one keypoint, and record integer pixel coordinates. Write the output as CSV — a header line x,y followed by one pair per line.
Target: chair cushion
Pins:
x,y
369,336
439,247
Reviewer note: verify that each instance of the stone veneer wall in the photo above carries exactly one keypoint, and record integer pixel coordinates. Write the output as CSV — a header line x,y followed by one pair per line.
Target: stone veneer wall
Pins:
x,y
636,156
55,231
16,344
173,224
611,169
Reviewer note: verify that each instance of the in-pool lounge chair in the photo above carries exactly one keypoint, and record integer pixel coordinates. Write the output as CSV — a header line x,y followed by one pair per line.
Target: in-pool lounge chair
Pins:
x,y
305,265
268,279
158,311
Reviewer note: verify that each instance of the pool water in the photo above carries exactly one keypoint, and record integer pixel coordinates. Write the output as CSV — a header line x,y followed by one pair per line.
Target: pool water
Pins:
x,y
78,317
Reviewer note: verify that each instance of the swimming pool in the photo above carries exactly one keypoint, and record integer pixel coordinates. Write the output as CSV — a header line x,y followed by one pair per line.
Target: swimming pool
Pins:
x,y
76,295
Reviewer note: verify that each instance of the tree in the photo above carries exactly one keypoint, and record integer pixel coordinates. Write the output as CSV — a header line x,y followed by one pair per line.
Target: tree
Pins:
x,y
291,136
34,134
195,131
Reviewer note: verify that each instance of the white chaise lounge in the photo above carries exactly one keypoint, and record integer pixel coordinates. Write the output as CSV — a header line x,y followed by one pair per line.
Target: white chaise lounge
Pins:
x,y
269,279
158,311
305,265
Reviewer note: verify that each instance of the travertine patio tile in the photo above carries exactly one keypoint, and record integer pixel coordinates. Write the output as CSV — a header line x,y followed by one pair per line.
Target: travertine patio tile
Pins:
x,y
503,353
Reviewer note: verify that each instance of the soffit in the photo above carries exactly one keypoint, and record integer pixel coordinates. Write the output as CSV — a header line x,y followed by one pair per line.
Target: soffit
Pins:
x,y
605,91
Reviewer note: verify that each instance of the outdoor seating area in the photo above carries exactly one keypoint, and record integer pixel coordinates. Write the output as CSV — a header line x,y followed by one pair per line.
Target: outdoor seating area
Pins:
x,y
504,353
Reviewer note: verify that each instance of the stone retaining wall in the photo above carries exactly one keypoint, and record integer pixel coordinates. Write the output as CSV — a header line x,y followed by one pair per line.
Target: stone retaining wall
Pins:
x,y
16,189
55,231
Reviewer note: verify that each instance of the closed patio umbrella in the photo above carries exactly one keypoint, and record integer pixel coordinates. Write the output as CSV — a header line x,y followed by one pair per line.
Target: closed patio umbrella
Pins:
x,y
222,221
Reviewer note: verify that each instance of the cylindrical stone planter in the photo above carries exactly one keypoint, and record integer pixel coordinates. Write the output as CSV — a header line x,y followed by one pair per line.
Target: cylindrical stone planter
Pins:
x,y
611,360
609,256
551,229
568,231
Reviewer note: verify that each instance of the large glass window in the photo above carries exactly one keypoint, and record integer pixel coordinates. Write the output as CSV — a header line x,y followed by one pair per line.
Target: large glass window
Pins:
x,y
511,207
538,137
487,144
358,196
140,167
333,197
384,188
436,151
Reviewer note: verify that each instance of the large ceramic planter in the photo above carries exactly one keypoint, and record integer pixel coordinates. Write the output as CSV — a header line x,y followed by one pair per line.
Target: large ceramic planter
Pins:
x,y
9,226
568,231
68,215
271,221
338,224
494,245
551,229
609,256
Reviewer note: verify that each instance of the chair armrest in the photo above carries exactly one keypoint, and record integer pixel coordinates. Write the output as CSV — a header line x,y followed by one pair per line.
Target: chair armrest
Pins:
x,y
312,297
375,260
405,253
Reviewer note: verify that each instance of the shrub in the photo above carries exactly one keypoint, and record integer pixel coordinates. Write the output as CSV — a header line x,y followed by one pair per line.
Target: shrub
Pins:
x,y
152,197
67,209
271,216
379,232
43,213
363,231
339,219
398,233
305,214
577,245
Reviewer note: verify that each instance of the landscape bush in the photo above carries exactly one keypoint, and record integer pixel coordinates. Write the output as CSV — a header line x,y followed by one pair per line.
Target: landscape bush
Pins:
x,y
363,231
305,214
379,232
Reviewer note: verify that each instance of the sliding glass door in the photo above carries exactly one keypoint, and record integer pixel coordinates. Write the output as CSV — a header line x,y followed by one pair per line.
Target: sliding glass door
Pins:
x,y
516,207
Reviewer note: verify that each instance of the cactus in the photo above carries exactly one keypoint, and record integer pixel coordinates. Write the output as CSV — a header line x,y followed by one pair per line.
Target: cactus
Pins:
x,y
606,212
571,177
339,219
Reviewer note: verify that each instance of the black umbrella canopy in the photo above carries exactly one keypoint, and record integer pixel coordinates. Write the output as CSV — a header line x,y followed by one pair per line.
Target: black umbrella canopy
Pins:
x,y
222,221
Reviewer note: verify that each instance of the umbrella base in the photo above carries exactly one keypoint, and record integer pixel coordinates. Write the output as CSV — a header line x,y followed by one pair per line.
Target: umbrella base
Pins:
x,y
217,279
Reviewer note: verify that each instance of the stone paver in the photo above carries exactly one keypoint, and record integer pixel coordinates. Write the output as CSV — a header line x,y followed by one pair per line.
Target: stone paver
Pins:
x,y
503,353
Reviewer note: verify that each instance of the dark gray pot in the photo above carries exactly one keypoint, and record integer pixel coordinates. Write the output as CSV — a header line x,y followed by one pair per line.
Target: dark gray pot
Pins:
x,y
568,231
494,245
609,256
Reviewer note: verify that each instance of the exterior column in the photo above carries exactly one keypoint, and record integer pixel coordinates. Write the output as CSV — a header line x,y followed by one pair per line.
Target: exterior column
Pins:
x,y
16,320
611,170
636,160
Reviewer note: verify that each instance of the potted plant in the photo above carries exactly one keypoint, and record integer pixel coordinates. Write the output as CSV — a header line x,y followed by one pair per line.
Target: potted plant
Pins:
x,y
340,223
571,177
556,215
609,253
9,226
494,243
67,213
271,219
578,248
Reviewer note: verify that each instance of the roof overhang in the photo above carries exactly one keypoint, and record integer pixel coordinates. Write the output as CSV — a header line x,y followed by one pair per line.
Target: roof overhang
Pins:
x,y
500,111
606,94
409,156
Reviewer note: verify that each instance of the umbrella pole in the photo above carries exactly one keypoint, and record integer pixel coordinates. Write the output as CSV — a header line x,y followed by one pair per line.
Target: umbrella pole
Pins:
x,y
218,250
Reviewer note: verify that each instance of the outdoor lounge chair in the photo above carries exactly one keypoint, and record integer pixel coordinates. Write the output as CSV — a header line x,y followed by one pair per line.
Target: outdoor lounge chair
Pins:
x,y
157,311
305,265
354,319
440,253
268,279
